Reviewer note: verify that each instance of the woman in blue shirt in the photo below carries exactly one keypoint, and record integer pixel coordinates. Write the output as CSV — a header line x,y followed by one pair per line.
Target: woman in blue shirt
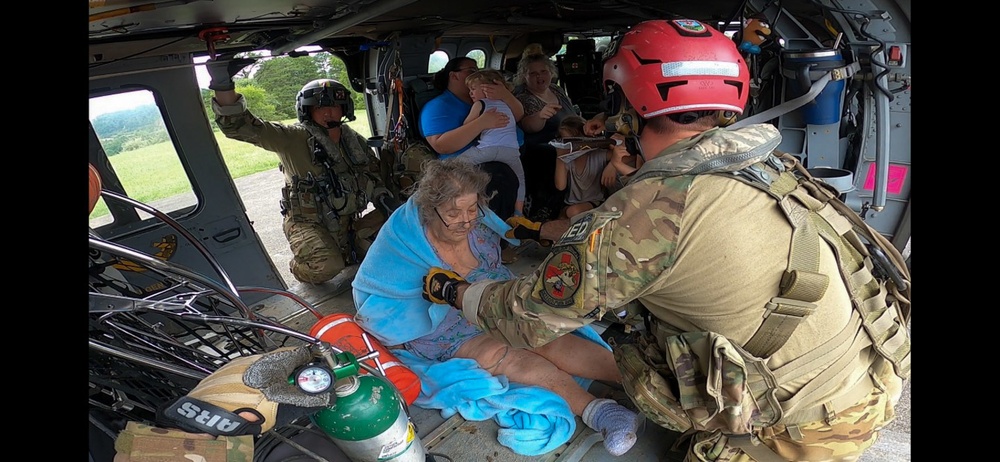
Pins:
x,y
441,124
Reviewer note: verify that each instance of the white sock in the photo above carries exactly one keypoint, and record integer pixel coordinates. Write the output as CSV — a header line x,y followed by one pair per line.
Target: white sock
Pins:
x,y
615,422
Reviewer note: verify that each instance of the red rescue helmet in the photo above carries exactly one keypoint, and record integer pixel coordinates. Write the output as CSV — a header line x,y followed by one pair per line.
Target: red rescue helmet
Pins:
x,y
677,66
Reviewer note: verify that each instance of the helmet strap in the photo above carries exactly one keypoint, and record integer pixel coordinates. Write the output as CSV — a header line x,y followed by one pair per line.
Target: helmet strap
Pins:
x,y
633,146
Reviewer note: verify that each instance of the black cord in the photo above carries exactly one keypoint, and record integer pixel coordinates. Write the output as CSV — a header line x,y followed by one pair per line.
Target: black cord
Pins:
x,y
737,14
137,53
867,17
777,15
885,69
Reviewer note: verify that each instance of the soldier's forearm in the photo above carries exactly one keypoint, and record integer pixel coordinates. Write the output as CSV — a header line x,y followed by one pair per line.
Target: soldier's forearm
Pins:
x,y
553,230
470,306
502,309
461,293
226,97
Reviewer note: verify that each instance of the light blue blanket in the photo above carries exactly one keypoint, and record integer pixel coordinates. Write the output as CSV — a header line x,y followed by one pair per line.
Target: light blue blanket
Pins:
x,y
389,283
387,294
532,420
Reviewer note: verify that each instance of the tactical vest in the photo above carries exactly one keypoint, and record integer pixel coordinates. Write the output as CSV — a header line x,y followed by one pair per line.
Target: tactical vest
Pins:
x,y
343,190
744,392
410,166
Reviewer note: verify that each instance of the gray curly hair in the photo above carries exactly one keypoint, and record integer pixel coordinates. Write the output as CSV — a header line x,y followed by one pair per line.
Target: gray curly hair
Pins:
x,y
443,180
522,66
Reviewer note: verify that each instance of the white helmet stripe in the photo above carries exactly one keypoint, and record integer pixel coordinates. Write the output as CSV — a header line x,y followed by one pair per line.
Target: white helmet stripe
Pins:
x,y
693,107
686,68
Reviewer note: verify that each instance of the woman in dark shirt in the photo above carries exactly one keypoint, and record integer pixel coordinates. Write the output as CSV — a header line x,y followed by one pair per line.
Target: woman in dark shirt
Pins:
x,y
545,104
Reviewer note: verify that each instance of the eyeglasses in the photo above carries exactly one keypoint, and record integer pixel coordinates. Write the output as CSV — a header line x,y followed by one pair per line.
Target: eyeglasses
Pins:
x,y
461,224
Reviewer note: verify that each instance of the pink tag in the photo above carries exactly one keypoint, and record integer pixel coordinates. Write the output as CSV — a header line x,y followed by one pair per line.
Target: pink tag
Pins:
x,y
897,173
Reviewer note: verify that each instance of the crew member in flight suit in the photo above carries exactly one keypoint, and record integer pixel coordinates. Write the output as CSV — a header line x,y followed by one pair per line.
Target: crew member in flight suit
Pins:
x,y
765,326
331,175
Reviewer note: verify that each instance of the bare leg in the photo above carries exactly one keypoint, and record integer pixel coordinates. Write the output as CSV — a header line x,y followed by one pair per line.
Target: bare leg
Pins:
x,y
614,421
581,357
577,209
524,366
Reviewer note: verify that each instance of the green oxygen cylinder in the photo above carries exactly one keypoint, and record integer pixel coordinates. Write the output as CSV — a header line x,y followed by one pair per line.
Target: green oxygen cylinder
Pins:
x,y
368,422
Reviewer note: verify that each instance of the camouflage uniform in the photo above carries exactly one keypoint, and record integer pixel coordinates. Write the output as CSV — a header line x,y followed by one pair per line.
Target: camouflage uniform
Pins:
x,y
700,254
323,216
141,442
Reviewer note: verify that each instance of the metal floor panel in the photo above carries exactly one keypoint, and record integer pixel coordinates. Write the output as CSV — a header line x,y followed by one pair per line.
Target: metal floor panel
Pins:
x,y
461,440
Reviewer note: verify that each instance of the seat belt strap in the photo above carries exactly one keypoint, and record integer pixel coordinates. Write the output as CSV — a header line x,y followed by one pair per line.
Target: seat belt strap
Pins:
x,y
788,106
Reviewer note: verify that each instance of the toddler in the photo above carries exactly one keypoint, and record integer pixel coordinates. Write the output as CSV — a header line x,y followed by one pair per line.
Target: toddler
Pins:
x,y
495,144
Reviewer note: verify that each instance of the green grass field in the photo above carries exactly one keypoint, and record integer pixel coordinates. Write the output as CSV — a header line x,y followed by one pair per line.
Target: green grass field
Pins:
x,y
167,178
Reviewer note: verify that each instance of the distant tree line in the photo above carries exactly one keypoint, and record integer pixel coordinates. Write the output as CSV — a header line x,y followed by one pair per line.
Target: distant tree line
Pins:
x,y
130,129
269,86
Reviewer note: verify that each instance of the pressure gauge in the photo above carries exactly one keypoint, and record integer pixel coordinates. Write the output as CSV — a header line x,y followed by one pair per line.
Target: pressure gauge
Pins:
x,y
314,379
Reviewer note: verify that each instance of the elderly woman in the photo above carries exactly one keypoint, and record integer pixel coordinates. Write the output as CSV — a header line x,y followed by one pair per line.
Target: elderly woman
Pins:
x,y
446,223
545,104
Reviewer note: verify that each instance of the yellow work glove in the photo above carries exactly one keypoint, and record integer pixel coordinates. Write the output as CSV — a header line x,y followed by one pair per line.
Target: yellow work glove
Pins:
x,y
523,228
441,286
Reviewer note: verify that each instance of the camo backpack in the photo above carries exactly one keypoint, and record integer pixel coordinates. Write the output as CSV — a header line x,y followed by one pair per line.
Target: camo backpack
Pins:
x,y
408,167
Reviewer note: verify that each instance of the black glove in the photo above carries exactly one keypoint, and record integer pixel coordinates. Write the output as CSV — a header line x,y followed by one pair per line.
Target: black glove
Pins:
x,y
385,200
441,286
223,70
258,384
523,228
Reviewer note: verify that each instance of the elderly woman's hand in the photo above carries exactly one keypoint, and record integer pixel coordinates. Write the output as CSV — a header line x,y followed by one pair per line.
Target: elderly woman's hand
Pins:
x,y
618,154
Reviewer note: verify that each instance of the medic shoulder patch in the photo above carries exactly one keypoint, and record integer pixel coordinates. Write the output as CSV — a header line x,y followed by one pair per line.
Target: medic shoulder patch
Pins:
x,y
561,277
578,230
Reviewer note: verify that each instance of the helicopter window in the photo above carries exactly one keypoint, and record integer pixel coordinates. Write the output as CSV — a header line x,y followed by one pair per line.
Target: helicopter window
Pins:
x,y
130,130
437,61
479,56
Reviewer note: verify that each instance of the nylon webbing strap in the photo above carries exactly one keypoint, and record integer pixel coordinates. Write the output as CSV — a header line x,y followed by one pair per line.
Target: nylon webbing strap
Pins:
x,y
759,451
862,228
815,89
801,285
